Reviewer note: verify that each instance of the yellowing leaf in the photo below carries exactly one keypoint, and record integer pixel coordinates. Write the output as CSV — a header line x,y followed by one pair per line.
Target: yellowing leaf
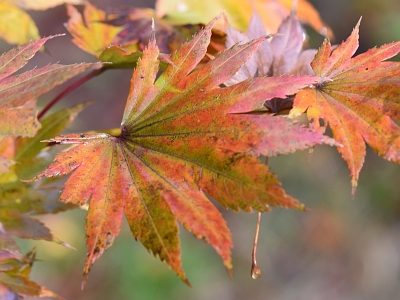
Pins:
x,y
239,12
89,32
357,97
16,26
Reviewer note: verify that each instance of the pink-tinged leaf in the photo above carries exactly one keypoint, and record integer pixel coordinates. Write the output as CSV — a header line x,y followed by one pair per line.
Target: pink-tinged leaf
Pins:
x,y
302,65
286,46
356,97
267,88
233,37
19,92
179,145
15,59
280,55
263,57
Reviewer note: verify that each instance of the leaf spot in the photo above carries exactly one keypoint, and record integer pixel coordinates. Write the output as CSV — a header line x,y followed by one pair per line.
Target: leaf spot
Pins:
x,y
139,151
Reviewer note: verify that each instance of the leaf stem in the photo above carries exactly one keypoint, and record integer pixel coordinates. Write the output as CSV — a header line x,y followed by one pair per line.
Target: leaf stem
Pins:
x,y
255,269
69,89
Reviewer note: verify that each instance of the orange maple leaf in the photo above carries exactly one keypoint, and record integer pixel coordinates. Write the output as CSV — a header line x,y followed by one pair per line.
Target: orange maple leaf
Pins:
x,y
357,97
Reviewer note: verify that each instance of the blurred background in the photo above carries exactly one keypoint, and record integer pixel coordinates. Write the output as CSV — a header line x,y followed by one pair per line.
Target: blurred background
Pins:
x,y
341,249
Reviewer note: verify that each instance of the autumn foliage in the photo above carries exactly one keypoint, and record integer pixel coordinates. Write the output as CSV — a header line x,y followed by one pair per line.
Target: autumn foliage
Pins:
x,y
206,104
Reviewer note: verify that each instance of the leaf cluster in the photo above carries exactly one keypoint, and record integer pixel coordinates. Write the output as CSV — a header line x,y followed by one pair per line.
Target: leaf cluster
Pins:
x,y
206,104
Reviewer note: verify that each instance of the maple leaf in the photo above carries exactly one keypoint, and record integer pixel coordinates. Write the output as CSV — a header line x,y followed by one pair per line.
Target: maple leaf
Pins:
x,y
89,31
357,97
180,142
18,93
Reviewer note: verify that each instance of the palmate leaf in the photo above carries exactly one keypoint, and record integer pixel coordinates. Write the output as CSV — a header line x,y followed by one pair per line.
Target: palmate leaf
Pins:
x,y
357,97
178,144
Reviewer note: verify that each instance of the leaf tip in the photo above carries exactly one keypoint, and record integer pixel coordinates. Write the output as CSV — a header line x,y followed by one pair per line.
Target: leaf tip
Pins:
x,y
84,279
211,23
330,141
186,281
229,270
153,31
353,187
294,7
66,245
302,207
356,28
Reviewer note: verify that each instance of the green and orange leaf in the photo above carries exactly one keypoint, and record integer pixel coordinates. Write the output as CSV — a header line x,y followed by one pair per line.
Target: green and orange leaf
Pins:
x,y
180,143
358,97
